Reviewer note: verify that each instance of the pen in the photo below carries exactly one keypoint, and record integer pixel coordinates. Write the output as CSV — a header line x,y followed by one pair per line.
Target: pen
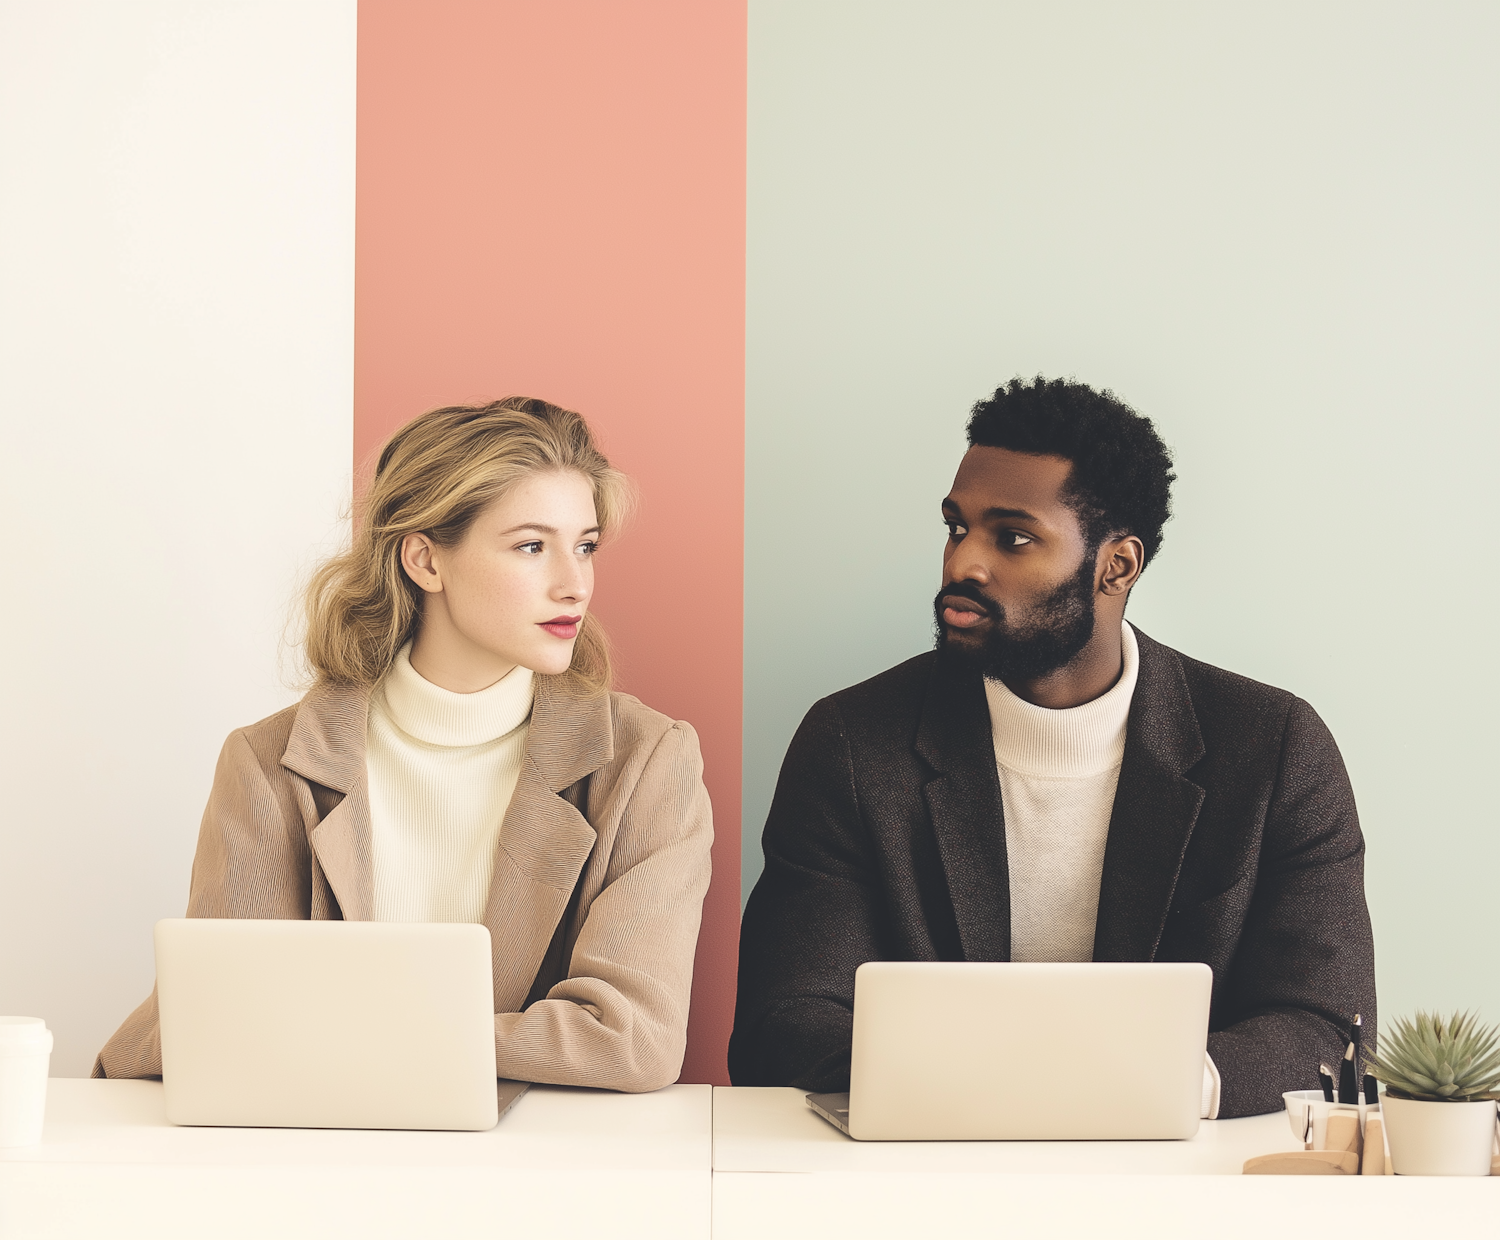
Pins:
x,y
1325,1078
1348,1090
1371,1090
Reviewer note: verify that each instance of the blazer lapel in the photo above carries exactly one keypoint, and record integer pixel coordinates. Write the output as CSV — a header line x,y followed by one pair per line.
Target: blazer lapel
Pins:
x,y
327,747
963,800
1156,807
544,838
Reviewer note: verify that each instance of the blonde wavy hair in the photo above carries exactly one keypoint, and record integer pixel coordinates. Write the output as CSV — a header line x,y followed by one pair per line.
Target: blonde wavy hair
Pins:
x,y
435,475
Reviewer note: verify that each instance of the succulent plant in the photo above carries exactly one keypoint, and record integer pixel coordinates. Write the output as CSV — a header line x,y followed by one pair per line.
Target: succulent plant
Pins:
x,y
1432,1058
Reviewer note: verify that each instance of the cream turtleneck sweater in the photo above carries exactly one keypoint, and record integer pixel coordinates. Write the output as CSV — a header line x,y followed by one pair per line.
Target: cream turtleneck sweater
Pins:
x,y
442,767
1058,773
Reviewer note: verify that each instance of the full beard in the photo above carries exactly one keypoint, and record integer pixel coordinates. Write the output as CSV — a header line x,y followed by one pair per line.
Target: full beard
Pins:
x,y
1056,630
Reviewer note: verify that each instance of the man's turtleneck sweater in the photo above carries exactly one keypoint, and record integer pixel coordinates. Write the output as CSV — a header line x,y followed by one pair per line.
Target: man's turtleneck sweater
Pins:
x,y
442,767
1058,773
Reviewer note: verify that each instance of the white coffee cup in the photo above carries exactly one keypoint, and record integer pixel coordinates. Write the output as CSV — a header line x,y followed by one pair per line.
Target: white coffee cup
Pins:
x,y
25,1051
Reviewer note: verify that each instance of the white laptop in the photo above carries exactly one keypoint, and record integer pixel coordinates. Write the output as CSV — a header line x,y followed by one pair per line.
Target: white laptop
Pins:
x,y
328,1024
1024,1052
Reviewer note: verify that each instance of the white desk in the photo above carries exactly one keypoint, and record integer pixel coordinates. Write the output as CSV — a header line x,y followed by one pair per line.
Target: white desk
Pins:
x,y
563,1163
781,1171
580,1163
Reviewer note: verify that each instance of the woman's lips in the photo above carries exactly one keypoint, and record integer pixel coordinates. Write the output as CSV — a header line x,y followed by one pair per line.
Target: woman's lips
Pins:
x,y
565,627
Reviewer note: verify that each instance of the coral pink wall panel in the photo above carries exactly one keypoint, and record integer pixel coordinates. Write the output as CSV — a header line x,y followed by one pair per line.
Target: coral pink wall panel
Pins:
x,y
551,202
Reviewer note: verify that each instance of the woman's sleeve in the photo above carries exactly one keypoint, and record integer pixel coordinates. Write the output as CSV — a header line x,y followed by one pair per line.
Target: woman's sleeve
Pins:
x,y
251,861
619,1021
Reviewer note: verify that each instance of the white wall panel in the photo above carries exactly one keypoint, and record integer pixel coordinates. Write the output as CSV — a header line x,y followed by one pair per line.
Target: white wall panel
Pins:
x,y
176,341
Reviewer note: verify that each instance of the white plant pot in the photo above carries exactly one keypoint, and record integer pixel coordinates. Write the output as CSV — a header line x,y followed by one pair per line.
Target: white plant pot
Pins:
x,y
1439,1138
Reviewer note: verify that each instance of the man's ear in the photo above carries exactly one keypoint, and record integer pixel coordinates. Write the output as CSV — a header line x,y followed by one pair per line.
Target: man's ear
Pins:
x,y
1121,562
419,560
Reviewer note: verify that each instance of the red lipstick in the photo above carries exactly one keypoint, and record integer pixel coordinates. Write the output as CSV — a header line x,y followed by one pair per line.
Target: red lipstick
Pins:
x,y
565,627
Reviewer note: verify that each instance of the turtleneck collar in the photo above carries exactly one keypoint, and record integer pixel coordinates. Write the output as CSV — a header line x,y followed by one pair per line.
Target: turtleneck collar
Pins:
x,y
440,717
1065,744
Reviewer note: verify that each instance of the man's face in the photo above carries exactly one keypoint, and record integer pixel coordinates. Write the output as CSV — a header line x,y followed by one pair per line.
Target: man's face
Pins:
x,y
1018,576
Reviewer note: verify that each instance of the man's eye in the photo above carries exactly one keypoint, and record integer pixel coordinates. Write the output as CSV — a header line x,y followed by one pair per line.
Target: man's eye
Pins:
x,y
1014,538
955,530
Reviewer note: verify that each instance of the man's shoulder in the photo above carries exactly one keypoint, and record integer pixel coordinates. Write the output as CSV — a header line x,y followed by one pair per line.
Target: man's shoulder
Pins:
x,y
874,719
1218,695
889,705
1206,676
871,724
898,690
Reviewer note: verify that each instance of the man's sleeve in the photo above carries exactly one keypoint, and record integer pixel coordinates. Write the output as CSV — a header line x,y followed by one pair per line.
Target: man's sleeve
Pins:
x,y
810,922
1306,959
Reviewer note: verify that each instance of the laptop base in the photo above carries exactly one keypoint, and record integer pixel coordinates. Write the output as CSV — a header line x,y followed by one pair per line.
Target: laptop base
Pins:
x,y
508,1093
832,1107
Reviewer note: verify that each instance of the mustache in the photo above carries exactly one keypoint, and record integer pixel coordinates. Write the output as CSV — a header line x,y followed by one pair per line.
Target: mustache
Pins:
x,y
966,590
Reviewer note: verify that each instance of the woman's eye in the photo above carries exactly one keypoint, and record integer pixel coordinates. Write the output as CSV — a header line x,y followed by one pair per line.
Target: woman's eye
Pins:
x,y
530,548
955,530
587,548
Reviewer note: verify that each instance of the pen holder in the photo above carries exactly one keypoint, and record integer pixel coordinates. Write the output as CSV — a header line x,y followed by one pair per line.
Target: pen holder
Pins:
x,y
1307,1111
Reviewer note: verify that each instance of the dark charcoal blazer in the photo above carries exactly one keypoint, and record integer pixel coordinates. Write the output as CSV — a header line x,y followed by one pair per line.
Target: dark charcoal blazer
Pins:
x,y
1234,841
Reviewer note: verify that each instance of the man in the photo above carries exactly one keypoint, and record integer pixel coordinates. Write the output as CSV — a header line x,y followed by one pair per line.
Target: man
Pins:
x,y
1050,784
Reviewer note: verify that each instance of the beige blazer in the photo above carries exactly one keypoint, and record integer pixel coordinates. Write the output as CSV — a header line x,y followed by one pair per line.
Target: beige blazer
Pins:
x,y
600,873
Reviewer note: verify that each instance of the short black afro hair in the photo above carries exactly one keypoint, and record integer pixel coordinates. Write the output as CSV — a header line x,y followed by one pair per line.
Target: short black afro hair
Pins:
x,y
1122,476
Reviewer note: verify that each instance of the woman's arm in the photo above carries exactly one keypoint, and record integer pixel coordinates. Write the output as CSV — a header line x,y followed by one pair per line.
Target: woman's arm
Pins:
x,y
252,861
619,1021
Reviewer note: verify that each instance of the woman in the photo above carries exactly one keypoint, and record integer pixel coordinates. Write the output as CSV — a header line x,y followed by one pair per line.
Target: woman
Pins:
x,y
460,758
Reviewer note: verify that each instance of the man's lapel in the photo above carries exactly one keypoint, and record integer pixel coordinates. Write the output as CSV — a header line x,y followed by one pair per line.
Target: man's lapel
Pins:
x,y
544,838
327,747
963,800
1156,807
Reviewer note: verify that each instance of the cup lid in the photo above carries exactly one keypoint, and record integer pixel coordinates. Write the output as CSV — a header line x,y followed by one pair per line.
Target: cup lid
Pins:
x,y
24,1033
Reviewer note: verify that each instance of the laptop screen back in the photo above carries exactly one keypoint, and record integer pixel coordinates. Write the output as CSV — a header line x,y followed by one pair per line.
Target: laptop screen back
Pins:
x,y
948,1051
326,1024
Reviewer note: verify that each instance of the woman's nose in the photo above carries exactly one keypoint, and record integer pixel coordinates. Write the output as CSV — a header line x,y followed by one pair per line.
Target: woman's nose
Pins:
x,y
573,582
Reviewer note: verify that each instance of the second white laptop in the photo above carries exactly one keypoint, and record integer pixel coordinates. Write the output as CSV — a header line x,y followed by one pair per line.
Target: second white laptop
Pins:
x,y
328,1024
1028,1052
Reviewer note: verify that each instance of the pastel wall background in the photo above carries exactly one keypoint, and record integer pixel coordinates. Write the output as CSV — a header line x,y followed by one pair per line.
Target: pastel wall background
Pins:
x,y
176,336
552,203
1269,226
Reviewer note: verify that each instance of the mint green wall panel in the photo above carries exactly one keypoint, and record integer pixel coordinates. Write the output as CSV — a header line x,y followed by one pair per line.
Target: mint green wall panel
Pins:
x,y
1269,226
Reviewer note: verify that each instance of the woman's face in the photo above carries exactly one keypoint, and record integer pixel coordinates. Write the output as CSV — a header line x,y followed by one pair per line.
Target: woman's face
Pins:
x,y
513,591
